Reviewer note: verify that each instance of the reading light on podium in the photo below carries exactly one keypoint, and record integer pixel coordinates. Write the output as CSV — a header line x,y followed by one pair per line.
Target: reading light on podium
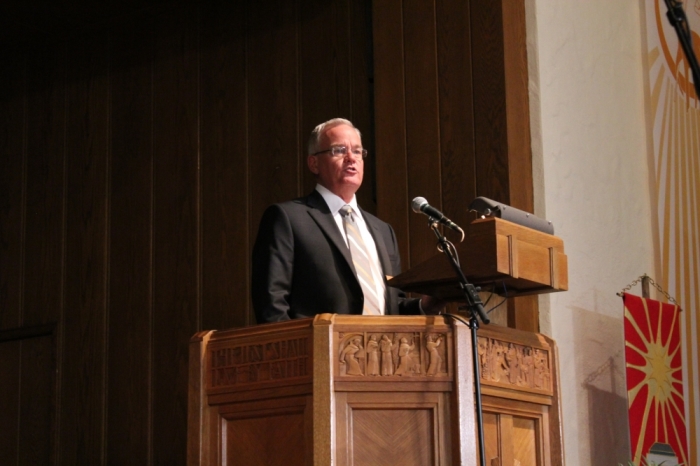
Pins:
x,y
486,207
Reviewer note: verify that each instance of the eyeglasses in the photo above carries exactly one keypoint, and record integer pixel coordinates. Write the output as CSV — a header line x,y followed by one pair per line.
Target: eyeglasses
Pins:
x,y
342,151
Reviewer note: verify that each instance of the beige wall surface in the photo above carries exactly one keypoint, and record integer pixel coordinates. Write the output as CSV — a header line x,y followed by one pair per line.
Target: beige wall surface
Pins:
x,y
590,150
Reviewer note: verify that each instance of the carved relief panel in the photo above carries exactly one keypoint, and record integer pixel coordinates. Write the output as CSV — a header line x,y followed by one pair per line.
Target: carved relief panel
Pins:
x,y
516,365
264,362
390,354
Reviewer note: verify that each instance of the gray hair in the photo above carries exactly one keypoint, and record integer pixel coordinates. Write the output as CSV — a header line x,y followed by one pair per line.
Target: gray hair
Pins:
x,y
315,138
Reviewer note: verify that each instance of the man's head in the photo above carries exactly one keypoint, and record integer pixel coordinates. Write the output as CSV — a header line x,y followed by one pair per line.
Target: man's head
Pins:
x,y
339,170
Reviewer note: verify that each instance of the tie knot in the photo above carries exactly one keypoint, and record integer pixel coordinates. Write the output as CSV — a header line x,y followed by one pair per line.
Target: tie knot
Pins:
x,y
346,211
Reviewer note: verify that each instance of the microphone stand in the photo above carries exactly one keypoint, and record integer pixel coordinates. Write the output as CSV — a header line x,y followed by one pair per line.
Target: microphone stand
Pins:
x,y
476,308
676,16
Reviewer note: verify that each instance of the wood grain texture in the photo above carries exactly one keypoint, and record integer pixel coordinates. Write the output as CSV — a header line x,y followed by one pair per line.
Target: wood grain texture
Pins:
x,y
457,146
13,162
225,193
392,436
176,241
37,420
489,91
390,120
272,63
130,309
422,121
44,231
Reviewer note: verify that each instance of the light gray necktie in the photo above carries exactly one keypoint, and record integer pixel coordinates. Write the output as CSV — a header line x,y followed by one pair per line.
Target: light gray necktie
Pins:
x,y
361,260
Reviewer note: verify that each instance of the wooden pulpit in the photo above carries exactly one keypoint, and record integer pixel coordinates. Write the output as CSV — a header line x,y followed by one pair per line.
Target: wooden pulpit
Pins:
x,y
365,390
337,389
498,255
386,390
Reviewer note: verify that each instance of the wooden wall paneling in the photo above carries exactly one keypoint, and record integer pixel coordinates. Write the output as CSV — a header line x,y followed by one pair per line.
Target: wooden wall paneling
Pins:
x,y
175,236
43,230
84,325
362,94
130,305
273,113
488,76
226,240
390,119
324,71
422,122
502,123
37,402
10,353
518,106
523,312
12,197
458,170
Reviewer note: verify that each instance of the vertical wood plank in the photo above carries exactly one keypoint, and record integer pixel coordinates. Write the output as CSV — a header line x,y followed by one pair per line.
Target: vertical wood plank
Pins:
x,y
272,62
457,155
422,125
130,313
175,218
38,381
10,352
523,312
84,343
390,119
42,270
324,51
224,164
12,178
44,234
518,111
362,93
489,101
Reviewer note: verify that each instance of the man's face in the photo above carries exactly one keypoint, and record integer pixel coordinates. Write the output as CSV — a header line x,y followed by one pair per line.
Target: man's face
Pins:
x,y
341,175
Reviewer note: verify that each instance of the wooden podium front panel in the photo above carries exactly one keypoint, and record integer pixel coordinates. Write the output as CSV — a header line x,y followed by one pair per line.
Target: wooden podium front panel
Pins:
x,y
395,391
268,433
405,428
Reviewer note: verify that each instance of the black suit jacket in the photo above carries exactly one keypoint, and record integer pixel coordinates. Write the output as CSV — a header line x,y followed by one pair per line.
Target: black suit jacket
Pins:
x,y
302,266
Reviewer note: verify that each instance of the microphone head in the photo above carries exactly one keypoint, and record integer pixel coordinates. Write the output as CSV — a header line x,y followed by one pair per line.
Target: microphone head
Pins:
x,y
417,203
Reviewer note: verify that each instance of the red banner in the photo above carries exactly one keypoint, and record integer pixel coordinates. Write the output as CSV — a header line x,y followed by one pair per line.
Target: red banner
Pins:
x,y
654,381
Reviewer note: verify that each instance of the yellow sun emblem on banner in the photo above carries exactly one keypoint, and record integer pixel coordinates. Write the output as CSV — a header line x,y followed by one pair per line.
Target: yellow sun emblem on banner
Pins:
x,y
654,376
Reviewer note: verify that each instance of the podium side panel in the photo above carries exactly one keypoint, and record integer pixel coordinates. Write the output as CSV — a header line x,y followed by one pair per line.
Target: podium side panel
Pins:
x,y
465,418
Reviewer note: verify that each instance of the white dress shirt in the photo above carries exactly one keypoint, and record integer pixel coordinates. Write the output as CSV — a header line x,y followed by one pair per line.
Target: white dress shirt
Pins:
x,y
334,204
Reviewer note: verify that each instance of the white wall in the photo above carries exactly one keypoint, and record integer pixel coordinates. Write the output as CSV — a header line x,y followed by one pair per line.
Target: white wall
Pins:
x,y
591,167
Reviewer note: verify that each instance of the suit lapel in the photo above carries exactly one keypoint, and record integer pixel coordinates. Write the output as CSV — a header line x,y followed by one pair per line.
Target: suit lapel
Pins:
x,y
322,216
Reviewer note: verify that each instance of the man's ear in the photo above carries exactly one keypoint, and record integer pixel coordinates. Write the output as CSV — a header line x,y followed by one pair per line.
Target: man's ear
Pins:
x,y
312,162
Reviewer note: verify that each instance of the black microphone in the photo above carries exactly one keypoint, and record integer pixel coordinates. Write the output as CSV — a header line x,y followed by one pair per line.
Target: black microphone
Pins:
x,y
420,204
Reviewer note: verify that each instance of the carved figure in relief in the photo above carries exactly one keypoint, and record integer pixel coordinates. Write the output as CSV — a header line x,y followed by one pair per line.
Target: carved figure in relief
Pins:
x,y
540,369
526,367
512,363
387,357
498,367
432,343
405,360
349,357
373,356
483,350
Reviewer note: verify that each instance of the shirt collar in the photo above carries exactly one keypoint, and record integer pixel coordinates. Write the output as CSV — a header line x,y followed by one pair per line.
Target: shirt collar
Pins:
x,y
334,201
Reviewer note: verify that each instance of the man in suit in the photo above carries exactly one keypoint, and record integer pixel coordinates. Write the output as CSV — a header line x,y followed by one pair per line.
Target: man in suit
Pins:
x,y
315,254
